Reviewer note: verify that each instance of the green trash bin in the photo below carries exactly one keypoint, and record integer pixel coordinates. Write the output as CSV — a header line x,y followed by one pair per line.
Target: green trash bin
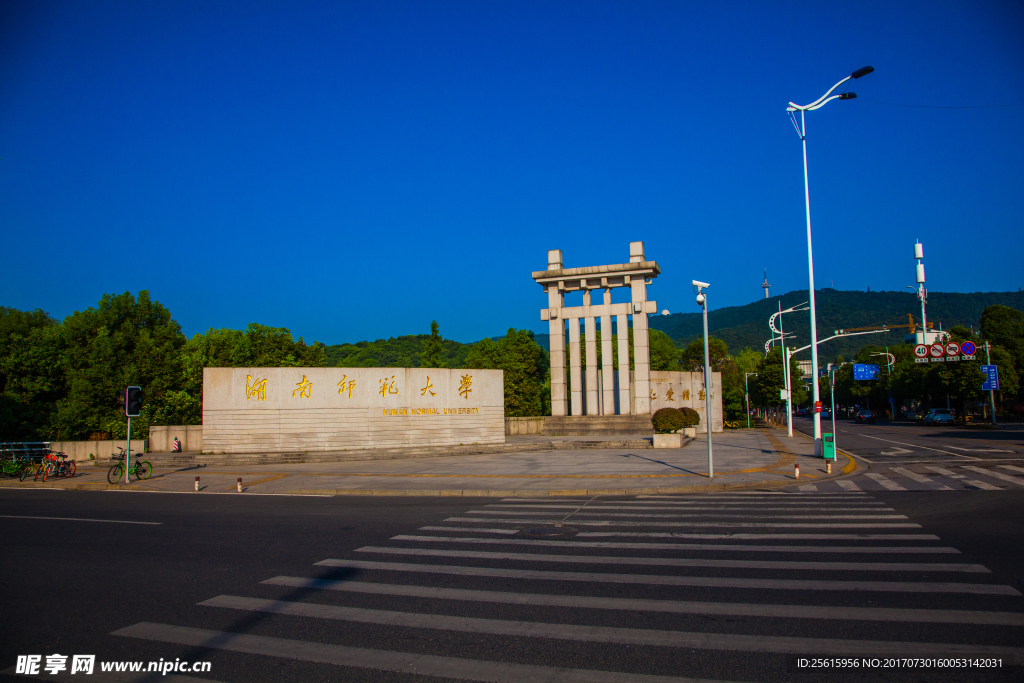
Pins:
x,y
828,446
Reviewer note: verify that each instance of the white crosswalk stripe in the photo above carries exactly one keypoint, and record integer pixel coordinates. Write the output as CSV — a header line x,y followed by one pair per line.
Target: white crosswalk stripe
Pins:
x,y
970,482
884,481
1013,467
807,487
998,475
921,479
723,557
848,485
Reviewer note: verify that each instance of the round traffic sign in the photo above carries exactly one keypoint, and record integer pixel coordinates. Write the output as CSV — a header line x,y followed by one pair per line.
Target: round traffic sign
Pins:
x,y
937,350
952,349
968,348
921,351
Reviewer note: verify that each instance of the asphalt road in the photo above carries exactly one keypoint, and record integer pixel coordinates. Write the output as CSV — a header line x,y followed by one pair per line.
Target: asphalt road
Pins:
x,y
628,590
888,443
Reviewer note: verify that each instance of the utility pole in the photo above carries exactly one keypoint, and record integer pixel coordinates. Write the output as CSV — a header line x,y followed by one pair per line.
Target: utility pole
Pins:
x,y
746,392
991,392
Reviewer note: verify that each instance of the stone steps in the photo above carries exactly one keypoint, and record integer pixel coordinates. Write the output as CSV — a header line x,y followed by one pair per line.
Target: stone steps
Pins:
x,y
181,461
598,425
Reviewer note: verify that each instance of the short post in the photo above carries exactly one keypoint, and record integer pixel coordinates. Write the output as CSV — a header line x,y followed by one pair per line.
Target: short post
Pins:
x,y
197,483
239,484
796,470
828,467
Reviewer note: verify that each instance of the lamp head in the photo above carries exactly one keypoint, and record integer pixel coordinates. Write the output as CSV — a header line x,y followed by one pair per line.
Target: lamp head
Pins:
x,y
863,71
848,96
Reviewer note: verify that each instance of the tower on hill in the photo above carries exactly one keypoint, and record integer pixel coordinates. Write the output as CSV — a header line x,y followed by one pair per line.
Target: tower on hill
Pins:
x,y
766,287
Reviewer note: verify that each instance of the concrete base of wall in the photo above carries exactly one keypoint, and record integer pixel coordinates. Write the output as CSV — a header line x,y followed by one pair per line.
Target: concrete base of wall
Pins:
x,y
80,451
598,425
524,425
161,437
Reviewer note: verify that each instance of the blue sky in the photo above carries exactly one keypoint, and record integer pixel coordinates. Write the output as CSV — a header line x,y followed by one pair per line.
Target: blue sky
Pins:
x,y
353,170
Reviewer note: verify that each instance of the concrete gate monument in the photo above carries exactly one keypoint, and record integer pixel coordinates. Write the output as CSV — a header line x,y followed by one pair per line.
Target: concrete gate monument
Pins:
x,y
600,395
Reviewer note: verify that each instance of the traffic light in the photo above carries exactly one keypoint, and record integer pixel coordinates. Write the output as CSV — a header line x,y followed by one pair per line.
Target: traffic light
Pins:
x,y
133,401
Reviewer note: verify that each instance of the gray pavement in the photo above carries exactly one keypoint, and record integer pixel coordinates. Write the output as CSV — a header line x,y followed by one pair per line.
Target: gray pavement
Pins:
x,y
742,458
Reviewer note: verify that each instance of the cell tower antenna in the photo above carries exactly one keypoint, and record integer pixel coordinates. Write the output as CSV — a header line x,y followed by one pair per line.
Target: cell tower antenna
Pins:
x,y
766,286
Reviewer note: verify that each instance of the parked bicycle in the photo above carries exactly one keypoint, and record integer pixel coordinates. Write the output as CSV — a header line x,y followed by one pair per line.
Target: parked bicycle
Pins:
x,y
140,469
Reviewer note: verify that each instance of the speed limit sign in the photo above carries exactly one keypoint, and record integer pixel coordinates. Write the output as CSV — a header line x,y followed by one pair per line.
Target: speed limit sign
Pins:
x,y
921,351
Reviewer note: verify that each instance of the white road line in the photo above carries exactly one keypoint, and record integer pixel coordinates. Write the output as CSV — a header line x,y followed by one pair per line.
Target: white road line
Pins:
x,y
971,482
914,445
684,523
979,450
685,561
763,537
469,528
662,580
848,485
795,499
82,519
807,487
875,507
702,515
384,660
1011,467
703,547
921,479
836,612
884,481
587,634
998,475
754,494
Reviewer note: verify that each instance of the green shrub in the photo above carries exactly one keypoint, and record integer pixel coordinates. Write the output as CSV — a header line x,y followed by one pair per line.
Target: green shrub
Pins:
x,y
668,420
691,416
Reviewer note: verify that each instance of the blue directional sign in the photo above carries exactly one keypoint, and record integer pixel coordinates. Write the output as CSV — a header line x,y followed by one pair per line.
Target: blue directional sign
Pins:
x,y
865,371
991,382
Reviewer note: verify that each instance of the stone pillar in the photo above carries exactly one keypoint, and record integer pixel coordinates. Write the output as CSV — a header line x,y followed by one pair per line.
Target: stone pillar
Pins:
x,y
608,384
575,378
622,323
556,332
641,346
590,330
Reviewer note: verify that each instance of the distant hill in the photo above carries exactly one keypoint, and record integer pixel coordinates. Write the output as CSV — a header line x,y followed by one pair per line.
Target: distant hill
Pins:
x,y
747,326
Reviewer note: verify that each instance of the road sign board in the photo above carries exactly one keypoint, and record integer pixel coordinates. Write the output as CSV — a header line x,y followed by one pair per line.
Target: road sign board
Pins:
x,y
991,382
937,350
952,349
865,371
921,350
968,348
817,406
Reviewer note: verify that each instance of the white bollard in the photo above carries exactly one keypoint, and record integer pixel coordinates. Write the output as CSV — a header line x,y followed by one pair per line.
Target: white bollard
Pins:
x,y
829,467
796,470
239,484
197,483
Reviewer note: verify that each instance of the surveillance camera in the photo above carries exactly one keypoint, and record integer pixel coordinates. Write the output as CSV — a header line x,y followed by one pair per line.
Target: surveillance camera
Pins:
x,y
701,299
698,283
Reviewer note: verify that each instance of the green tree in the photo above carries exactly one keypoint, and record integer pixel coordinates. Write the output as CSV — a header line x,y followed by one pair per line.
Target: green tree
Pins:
x,y
433,350
526,369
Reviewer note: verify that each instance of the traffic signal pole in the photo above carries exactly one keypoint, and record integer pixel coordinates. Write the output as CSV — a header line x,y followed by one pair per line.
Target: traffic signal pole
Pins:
x,y
128,453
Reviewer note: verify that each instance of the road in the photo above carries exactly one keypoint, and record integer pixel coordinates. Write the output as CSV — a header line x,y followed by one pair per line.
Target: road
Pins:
x,y
643,589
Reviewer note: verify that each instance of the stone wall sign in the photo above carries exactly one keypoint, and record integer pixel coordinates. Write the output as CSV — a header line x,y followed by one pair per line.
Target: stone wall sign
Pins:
x,y
273,410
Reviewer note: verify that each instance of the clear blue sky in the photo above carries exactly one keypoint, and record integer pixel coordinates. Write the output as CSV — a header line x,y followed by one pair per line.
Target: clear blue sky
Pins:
x,y
353,170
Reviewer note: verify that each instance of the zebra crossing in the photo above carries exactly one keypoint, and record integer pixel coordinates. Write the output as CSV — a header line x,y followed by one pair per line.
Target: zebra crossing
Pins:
x,y
626,590
925,477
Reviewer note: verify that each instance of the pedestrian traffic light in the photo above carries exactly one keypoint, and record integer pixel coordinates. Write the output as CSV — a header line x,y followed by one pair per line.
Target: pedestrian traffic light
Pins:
x,y
133,401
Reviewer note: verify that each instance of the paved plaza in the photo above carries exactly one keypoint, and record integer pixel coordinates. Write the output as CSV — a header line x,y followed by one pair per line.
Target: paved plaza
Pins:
x,y
742,459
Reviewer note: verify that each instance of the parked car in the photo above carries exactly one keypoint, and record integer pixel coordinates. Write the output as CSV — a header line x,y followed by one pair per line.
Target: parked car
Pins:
x,y
938,416
863,416
914,415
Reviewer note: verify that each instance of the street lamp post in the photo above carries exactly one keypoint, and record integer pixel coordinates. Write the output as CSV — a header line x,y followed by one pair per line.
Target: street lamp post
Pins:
x,y
746,392
785,361
801,129
702,301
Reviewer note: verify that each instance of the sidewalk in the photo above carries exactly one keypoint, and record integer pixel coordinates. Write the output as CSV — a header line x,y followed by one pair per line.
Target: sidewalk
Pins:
x,y
755,458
